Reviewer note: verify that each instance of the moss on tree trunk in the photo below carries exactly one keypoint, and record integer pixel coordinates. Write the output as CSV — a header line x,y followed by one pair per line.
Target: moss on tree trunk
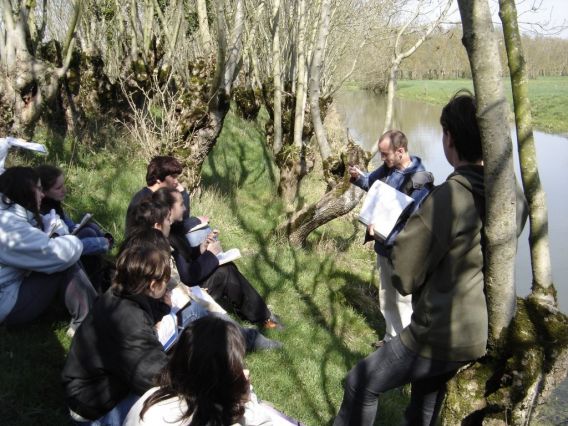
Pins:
x,y
508,387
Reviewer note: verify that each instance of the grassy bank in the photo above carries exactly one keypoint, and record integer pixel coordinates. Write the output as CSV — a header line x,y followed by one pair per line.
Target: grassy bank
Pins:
x,y
324,294
549,98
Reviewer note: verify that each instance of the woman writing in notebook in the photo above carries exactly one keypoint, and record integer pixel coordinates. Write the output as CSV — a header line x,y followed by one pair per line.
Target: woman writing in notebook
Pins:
x,y
225,283
33,266
155,214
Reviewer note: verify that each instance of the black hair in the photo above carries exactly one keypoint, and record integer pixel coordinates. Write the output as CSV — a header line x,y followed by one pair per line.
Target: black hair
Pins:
x,y
459,120
146,214
206,370
48,175
18,185
151,236
165,196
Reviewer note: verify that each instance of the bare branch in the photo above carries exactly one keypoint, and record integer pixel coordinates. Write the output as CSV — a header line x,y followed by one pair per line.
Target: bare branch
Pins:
x,y
71,30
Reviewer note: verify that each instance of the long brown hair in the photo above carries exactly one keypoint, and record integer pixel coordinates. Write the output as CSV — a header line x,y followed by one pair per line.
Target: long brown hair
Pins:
x,y
206,371
138,266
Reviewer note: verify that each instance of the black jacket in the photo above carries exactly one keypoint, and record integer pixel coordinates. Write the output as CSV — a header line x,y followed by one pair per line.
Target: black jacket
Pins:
x,y
193,266
114,352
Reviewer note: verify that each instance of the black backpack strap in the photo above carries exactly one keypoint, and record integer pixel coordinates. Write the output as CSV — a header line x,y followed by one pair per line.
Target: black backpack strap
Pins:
x,y
419,180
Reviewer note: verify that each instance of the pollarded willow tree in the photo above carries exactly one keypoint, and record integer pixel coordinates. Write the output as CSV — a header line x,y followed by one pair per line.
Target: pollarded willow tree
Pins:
x,y
132,59
341,197
291,31
179,58
527,350
28,83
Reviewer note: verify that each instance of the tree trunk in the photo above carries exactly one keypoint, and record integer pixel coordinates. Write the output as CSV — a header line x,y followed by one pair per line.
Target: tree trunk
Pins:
x,y
542,286
391,90
339,200
276,79
315,81
28,84
204,32
492,111
301,76
203,140
340,197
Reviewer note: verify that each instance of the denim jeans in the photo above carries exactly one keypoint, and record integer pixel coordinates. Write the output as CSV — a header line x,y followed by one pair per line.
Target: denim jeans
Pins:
x,y
391,366
114,417
38,290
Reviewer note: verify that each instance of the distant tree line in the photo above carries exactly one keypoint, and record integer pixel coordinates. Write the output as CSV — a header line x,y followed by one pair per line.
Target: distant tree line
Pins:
x,y
442,56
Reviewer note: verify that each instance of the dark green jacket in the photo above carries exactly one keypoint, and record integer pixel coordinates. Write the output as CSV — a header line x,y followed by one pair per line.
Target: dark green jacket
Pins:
x,y
438,259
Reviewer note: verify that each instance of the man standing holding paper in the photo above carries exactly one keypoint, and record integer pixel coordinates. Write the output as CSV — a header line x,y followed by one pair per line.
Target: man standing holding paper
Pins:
x,y
406,174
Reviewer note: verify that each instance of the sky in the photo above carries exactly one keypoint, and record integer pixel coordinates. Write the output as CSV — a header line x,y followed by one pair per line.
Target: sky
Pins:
x,y
542,16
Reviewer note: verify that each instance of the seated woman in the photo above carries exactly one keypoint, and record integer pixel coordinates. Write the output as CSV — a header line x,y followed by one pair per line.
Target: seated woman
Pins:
x,y
95,241
151,215
204,382
224,282
33,266
116,355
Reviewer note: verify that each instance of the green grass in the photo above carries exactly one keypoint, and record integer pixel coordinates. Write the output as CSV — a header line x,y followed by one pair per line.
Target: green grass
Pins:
x,y
548,96
325,294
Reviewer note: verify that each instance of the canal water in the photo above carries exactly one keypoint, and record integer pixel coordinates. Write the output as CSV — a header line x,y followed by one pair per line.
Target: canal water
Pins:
x,y
364,112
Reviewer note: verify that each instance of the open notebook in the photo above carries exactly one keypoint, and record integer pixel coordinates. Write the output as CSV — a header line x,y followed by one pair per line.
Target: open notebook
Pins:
x,y
182,313
383,207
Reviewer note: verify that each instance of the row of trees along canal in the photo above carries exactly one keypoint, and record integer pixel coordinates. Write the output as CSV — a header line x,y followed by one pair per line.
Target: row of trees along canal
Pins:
x,y
69,65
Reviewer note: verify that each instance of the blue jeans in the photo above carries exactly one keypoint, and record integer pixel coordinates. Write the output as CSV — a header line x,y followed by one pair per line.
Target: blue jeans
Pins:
x,y
116,416
391,366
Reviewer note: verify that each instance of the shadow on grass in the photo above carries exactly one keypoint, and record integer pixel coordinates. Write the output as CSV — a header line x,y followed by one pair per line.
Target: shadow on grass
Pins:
x,y
320,290
32,357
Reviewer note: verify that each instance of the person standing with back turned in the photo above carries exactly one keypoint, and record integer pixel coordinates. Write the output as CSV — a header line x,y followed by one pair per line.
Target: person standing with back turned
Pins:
x,y
438,258
405,173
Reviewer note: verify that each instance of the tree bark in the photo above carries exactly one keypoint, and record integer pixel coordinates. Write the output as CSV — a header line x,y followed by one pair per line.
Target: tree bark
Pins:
x,y
542,286
229,54
492,111
204,32
27,84
315,81
276,79
301,76
339,200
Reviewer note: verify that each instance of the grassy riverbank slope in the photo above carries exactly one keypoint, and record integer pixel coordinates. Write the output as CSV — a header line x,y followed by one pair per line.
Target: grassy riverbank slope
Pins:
x,y
325,294
549,98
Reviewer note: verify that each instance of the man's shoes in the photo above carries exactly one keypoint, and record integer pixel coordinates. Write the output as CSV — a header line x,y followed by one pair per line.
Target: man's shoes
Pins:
x,y
262,343
378,344
272,323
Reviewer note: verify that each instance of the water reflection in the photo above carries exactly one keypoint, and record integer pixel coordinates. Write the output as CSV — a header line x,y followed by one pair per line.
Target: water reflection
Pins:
x,y
364,115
